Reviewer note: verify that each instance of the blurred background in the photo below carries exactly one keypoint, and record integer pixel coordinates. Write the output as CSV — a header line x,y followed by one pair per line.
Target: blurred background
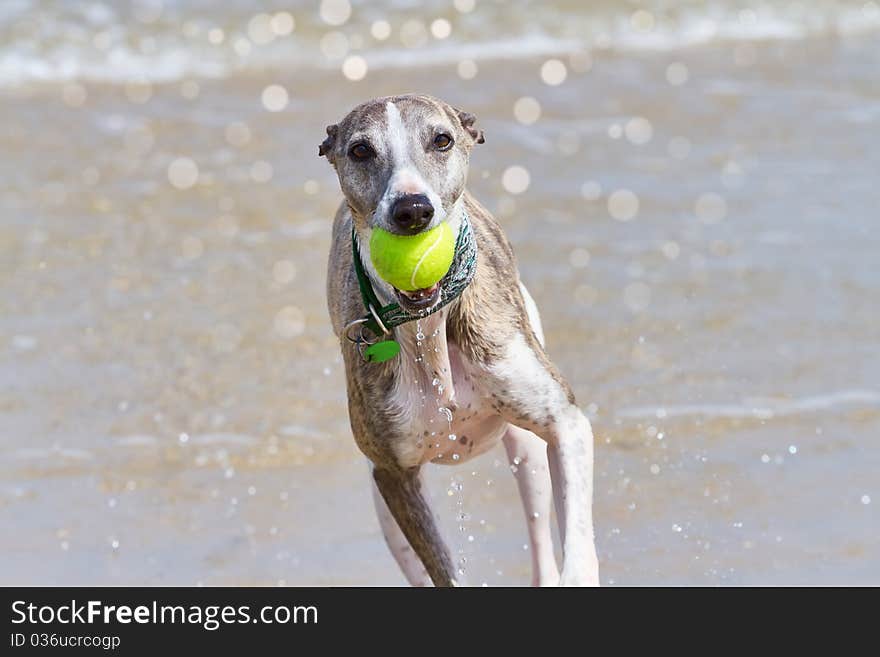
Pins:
x,y
691,188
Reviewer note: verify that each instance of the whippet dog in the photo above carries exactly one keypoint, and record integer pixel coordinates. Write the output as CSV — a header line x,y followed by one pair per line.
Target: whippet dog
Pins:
x,y
471,368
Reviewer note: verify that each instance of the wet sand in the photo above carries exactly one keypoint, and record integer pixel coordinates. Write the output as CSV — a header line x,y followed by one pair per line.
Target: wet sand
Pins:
x,y
172,403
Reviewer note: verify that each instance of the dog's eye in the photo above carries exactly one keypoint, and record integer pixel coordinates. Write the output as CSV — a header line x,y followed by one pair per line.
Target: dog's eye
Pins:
x,y
443,142
361,151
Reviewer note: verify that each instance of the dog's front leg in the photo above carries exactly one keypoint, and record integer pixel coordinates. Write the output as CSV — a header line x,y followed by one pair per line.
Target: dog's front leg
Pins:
x,y
402,491
403,553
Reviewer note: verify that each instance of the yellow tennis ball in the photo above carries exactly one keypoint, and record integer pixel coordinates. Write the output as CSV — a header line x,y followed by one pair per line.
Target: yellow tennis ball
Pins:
x,y
413,262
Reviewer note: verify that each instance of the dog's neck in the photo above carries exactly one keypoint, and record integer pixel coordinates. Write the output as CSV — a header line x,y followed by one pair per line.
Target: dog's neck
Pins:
x,y
423,362
424,359
424,348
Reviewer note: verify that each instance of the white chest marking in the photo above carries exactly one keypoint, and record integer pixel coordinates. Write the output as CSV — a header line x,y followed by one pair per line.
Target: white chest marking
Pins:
x,y
437,403
435,376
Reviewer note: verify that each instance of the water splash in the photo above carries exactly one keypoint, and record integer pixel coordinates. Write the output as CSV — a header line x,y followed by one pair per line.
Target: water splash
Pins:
x,y
447,448
420,337
458,486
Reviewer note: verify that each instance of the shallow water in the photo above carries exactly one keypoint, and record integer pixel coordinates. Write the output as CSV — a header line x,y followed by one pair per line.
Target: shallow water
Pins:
x,y
172,406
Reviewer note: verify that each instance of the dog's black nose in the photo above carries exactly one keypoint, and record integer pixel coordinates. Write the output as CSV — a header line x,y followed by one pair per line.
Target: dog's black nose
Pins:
x,y
412,213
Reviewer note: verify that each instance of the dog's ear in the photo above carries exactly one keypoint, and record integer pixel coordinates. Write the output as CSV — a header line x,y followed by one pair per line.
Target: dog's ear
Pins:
x,y
326,147
467,121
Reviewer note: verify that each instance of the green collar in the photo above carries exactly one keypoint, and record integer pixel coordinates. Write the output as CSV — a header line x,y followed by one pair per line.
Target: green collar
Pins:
x,y
381,320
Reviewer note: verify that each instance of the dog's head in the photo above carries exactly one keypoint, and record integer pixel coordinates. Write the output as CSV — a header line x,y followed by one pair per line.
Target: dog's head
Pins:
x,y
402,161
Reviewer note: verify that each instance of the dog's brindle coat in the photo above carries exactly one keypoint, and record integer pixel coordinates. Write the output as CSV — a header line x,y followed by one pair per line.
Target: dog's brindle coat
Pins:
x,y
494,374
